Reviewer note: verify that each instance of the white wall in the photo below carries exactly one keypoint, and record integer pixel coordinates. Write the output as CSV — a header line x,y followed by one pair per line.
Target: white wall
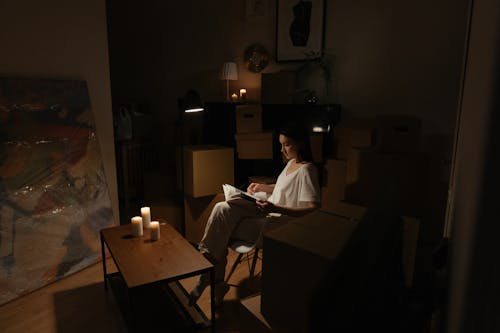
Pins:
x,y
63,40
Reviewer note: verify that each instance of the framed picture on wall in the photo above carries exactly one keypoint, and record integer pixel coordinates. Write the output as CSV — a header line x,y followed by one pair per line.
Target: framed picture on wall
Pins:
x,y
299,29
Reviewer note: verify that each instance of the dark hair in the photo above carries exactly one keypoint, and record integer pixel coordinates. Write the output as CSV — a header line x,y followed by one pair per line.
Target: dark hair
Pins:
x,y
300,134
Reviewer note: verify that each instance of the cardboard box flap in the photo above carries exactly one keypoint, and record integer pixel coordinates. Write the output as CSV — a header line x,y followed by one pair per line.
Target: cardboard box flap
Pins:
x,y
319,233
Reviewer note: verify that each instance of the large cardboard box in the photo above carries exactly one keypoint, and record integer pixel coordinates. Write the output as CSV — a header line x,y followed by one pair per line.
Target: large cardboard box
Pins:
x,y
278,88
353,132
248,118
395,180
256,146
206,168
297,256
333,191
197,211
316,141
334,175
398,133
169,211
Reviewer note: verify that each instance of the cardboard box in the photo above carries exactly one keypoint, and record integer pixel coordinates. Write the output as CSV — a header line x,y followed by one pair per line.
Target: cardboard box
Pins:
x,y
254,145
333,191
334,173
248,118
316,140
168,211
278,88
197,211
206,168
297,256
398,180
354,132
397,133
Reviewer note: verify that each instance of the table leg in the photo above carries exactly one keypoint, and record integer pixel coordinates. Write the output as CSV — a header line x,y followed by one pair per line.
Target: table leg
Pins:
x,y
105,273
132,310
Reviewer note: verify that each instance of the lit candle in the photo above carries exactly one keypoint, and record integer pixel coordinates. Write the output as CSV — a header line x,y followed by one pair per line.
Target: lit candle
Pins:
x,y
136,226
234,97
146,216
155,230
243,94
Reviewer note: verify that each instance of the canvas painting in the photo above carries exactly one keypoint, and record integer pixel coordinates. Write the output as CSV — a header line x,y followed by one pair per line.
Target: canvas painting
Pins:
x,y
53,193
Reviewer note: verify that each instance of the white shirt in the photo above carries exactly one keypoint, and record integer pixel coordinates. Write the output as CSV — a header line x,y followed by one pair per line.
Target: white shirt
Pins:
x,y
296,188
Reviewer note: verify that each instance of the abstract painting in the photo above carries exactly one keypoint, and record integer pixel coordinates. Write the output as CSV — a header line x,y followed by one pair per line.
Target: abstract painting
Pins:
x,y
53,192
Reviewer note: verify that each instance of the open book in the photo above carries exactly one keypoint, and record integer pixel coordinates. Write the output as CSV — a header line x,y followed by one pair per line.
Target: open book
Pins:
x,y
231,192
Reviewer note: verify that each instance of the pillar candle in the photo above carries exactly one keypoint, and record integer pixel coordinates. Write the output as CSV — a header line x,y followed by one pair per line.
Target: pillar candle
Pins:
x,y
243,94
155,230
234,97
146,216
136,226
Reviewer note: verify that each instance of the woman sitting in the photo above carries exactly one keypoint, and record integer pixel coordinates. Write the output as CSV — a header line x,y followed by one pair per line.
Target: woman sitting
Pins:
x,y
295,193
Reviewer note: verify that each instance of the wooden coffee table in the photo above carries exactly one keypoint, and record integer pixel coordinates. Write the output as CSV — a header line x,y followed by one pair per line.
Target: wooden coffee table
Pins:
x,y
142,262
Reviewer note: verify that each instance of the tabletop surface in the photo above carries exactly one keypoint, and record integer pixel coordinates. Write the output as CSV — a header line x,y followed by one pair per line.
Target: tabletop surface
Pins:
x,y
142,261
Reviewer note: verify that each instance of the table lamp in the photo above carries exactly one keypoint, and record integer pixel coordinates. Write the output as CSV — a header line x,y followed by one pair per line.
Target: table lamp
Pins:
x,y
229,72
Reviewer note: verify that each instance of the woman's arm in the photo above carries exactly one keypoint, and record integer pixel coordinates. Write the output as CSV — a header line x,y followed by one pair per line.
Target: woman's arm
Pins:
x,y
256,187
269,207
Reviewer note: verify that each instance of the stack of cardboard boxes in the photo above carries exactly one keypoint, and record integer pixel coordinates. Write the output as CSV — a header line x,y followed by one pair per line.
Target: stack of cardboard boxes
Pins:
x,y
376,159
251,141
377,162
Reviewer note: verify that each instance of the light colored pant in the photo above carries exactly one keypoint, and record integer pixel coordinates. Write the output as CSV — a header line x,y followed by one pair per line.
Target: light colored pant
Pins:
x,y
234,219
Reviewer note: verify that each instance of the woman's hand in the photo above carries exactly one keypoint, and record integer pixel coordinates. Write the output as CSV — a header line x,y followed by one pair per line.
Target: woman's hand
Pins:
x,y
268,207
255,187
265,206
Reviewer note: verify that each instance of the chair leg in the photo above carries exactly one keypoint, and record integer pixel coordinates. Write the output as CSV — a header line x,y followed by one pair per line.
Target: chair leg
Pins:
x,y
254,262
236,262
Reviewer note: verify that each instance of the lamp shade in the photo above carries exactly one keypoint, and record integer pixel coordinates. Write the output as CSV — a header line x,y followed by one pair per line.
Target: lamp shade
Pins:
x,y
229,71
191,102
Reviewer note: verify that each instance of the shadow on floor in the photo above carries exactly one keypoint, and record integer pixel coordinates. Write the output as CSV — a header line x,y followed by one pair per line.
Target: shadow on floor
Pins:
x,y
87,309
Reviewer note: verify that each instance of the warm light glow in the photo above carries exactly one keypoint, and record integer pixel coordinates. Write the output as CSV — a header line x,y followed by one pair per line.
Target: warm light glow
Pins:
x,y
318,129
229,71
194,110
321,129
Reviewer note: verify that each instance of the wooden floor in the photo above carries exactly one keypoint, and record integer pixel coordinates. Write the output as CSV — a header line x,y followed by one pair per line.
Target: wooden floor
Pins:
x,y
79,303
